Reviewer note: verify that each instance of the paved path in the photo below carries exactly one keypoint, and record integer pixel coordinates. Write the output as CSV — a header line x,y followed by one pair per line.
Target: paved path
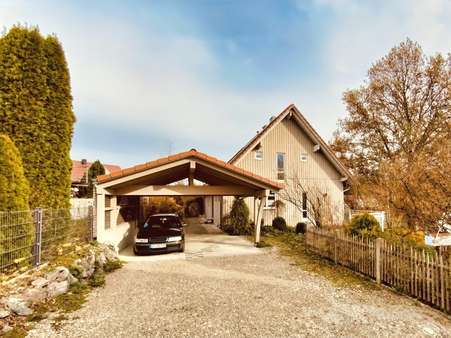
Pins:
x,y
254,294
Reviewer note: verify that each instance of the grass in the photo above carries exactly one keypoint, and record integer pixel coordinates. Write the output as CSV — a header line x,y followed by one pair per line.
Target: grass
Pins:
x,y
16,332
293,246
73,299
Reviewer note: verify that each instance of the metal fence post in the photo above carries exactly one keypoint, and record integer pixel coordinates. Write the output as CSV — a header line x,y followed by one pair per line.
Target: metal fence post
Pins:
x,y
38,236
379,243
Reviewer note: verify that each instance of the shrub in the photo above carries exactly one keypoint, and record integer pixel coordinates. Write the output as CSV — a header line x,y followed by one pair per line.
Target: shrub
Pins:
x,y
36,112
195,207
238,219
97,279
364,224
279,223
301,228
15,241
164,205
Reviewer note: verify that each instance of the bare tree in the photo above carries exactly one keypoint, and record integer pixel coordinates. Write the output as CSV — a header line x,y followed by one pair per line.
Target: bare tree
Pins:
x,y
309,199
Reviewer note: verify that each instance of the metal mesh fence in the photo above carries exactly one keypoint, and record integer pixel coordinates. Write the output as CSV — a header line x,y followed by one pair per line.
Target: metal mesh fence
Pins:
x,y
31,236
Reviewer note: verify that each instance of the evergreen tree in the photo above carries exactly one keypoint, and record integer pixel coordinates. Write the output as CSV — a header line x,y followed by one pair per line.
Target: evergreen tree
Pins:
x,y
36,111
15,242
95,170
60,120
14,188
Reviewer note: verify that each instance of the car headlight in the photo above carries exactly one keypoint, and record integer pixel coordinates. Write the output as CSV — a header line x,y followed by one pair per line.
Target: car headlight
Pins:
x,y
175,239
141,240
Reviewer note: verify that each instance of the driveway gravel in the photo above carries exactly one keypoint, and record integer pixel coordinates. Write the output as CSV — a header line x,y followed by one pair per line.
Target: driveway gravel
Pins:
x,y
254,294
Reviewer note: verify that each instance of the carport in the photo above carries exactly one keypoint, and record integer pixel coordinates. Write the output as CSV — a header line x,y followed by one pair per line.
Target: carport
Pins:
x,y
189,173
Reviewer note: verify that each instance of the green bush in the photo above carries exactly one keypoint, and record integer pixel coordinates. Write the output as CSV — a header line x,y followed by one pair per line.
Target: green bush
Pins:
x,y
163,205
97,279
110,266
279,223
238,219
36,112
195,207
301,228
364,225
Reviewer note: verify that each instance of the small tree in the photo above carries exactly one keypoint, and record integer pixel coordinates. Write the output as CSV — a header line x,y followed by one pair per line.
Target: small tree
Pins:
x,y
14,193
94,170
239,219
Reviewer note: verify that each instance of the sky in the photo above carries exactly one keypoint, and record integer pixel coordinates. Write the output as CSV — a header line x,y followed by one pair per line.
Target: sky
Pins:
x,y
151,78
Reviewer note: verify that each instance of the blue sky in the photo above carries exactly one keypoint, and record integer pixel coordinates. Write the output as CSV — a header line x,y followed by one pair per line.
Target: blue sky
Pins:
x,y
156,77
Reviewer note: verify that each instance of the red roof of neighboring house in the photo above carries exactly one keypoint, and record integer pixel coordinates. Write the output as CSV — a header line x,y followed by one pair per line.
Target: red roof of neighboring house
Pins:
x,y
184,155
79,169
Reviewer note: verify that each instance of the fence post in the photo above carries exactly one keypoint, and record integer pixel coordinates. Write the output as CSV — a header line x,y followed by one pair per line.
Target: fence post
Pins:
x,y
38,236
379,243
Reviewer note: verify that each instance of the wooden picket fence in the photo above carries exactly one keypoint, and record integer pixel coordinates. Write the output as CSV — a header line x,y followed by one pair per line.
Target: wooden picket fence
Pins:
x,y
417,273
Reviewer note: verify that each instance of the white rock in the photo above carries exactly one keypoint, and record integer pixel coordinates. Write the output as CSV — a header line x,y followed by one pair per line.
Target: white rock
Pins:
x,y
40,282
4,313
55,289
6,328
60,274
18,305
35,295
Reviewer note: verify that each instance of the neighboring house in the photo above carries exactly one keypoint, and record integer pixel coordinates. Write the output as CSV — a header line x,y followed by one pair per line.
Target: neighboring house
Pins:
x,y
79,175
290,151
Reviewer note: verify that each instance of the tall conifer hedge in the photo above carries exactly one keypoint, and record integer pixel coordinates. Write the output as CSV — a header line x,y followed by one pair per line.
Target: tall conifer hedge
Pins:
x,y
36,111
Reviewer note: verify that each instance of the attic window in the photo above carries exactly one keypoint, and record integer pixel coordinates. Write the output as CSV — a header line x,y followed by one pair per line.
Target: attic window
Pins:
x,y
304,157
258,154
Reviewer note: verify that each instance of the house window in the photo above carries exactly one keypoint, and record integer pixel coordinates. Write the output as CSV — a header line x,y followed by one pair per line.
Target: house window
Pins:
x,y
304,157
280,166
270,200
304,205
258,155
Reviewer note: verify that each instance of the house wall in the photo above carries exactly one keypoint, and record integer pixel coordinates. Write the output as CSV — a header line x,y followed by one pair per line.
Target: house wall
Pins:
x,y
287,137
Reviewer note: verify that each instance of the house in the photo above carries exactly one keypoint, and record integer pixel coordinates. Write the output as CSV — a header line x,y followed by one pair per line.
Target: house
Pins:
x,y
289,151
285,170
79,175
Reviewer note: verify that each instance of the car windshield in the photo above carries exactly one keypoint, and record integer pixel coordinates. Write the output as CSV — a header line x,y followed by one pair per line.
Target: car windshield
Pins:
x,y
162,221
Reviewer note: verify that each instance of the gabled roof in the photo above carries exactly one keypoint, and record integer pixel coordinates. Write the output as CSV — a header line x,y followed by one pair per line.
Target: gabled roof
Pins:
x,y
292,111
191,154
80,169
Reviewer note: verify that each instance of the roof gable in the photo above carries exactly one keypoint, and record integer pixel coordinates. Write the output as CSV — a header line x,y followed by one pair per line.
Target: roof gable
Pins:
x,y
305,126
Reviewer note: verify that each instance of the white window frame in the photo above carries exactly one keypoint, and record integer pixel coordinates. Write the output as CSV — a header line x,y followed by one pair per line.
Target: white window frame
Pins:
x,y
270,203
278,171
258,155
304,157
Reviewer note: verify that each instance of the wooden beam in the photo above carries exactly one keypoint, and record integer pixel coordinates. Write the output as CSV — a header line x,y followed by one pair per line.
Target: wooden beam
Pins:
x,y
259,219
183,190
192,169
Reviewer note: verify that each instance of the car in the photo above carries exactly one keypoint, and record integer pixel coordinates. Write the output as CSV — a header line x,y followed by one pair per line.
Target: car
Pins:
x,y
160,233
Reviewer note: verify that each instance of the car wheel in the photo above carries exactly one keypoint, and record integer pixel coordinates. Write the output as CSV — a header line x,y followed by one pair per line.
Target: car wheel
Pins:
x,y
135,252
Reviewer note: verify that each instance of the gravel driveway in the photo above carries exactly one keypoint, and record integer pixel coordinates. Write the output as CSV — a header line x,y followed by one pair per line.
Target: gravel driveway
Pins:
x,y
254,294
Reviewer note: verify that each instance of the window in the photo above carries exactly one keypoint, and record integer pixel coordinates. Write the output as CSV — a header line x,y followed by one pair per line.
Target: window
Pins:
x,y
280,166
304,157
304,205
270,200
258,155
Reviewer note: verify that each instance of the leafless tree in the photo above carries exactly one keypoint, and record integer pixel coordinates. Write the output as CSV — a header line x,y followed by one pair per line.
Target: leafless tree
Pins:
x,y
311,201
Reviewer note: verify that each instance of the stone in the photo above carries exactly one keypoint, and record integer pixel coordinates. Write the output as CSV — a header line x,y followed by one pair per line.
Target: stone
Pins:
x,y
55,289
40,282
18,305
35,295
59,274
6,328
110,253
4,313
101,259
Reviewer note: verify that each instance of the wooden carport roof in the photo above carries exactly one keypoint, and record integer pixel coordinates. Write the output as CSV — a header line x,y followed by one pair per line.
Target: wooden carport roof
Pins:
x,y
191,154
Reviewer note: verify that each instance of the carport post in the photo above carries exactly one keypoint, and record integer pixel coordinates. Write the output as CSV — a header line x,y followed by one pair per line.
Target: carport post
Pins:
x,y
100,211
259,215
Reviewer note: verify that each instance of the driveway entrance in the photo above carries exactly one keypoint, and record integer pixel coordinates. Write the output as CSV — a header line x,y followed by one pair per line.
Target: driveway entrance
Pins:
x,y
201,240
